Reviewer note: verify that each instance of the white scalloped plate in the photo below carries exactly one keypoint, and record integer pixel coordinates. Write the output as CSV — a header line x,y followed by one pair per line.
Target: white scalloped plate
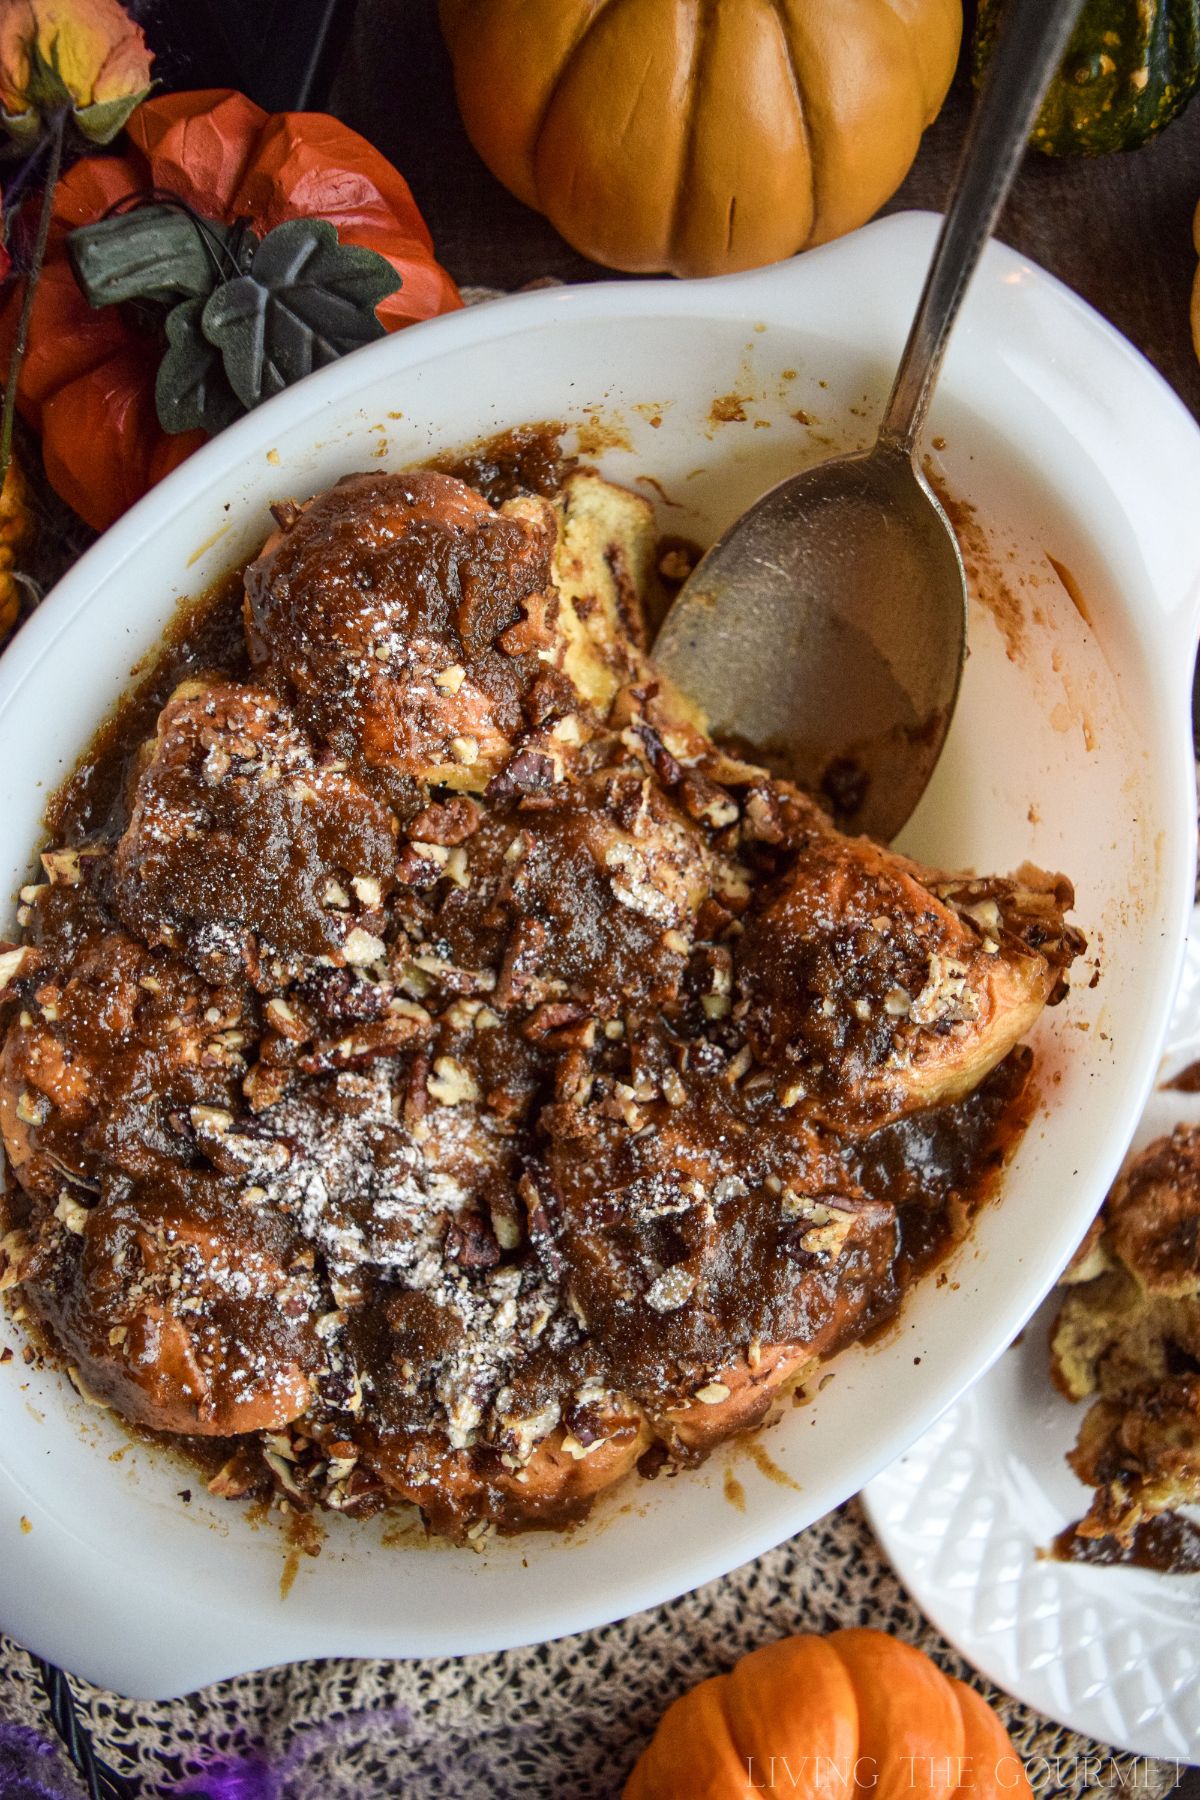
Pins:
x,y
1113,1653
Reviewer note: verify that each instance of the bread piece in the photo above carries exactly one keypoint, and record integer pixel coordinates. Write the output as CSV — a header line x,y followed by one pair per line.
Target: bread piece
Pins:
x,y
1129,1338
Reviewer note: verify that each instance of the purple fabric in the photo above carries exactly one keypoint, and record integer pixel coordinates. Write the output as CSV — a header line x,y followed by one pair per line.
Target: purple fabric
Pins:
x,y
422,1758
302,1772
30,1768
251,1779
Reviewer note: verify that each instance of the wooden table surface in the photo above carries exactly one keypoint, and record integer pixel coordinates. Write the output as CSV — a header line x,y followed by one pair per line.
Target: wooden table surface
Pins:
x,y
1117,229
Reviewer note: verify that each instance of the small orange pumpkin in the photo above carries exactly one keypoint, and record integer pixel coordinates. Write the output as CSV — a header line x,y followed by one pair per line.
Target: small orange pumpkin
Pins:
x,y
827,1718
700,136
16,528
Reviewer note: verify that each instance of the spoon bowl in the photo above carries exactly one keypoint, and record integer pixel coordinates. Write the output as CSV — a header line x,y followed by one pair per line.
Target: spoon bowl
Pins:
x,y
825,633
849,685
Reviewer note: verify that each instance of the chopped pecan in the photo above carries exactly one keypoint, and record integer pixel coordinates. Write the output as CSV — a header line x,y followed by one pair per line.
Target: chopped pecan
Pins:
x,y
712,918
541,1212
552,696
416,1093
506,1103
522,957
665,766
264,1085
16,960
574,1079
762,818
505,1222
290,1019
794,1248
528,772
471,1243
447,821
631,702
236,1477
552,1016
362,948
417,869
334,994
584,1421
710,970
452,1083
285,513
15,1250
705,802
382,1037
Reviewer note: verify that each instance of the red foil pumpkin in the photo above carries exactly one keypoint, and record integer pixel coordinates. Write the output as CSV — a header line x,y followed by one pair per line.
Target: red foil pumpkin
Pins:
x,y
87,385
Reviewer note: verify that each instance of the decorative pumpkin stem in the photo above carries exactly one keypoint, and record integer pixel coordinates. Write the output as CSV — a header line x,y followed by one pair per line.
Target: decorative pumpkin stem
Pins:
x,y
148,251
57,130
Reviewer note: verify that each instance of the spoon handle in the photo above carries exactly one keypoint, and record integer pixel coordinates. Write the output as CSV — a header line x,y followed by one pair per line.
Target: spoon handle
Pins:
x,y
1033,38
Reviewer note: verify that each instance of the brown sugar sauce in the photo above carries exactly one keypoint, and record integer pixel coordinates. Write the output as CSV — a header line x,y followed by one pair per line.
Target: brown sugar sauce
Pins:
x,y
1166,1542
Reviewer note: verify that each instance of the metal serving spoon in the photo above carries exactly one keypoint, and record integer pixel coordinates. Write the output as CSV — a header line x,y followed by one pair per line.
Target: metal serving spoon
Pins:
x,y
826,630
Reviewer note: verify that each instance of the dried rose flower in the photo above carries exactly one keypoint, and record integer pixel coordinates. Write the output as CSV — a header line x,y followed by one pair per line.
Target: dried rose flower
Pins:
x,y
85,55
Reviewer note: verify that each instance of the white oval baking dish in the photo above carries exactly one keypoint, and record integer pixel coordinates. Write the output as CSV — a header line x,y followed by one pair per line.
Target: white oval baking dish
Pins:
x,y
1072,746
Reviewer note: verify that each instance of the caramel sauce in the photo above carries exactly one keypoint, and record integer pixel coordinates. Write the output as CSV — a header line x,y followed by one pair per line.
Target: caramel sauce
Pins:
x,y
765,1463
728,409
205,636
526,460
986,577
1186,1082
1168,1543
305,1534
1074,591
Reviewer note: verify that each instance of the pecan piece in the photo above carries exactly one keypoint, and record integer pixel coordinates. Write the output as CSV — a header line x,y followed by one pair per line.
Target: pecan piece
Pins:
x,y
713,918
528,772
552,696
764,822
551,1017
522,956
447,821
471,1242
16,960
705,802
665,766
414,869
264,1085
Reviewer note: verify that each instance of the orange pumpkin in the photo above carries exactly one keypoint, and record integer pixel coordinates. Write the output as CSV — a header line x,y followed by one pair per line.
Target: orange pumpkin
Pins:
x,y
700,136
825,1718
16,528
87,383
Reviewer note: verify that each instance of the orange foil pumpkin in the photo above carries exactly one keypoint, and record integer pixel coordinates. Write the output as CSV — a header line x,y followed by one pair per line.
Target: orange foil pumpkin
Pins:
x,y
827,1718
87,385
700,136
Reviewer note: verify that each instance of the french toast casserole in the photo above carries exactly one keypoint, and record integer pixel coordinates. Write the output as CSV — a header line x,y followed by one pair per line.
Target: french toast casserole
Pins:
x,y
434,1071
